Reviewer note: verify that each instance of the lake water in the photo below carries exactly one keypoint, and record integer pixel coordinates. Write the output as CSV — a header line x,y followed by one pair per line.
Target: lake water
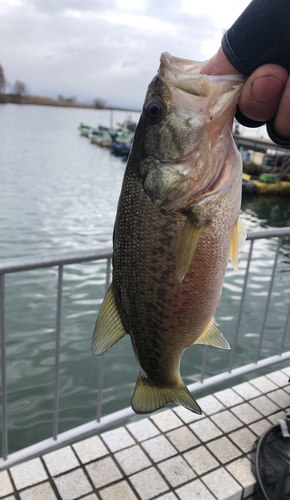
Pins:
x,y
59,193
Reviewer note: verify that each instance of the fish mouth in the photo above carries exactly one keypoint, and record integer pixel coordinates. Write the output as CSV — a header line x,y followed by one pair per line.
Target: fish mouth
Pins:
x,y
185,75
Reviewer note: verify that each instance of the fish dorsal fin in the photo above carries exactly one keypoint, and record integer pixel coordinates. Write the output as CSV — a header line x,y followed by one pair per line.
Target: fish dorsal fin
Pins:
x,y
189,238
148,397
212,336
237,243
109,327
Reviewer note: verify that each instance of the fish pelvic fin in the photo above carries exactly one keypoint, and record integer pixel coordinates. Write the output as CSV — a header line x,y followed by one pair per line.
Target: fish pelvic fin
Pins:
x,y
109,326
148,397
212,336
189,239
237,243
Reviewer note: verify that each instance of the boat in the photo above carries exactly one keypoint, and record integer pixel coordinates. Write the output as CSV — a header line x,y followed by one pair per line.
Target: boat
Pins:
x,y
85,129
267,184
122,142
100,137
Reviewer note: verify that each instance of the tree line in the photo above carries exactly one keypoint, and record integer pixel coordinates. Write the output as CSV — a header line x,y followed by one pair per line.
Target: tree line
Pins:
x,y
19,90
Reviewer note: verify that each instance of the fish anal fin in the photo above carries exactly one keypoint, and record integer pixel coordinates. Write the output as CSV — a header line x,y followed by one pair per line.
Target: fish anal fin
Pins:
x,y
148,397
212,336
237,243
242,234
109,327
189,239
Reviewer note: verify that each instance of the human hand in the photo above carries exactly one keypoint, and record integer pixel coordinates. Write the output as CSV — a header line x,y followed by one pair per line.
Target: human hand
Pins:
x,y
265,95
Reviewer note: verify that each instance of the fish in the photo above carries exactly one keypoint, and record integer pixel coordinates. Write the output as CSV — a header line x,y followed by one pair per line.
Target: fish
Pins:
x,y
176,227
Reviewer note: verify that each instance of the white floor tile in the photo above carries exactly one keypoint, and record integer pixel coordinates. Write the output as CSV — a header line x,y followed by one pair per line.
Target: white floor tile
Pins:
x,y
244,439
201,460
159,448
120,491
229,397
42,492
263,384
259,427
183,439
278,378
72,485
5,484
224,450
132,460
103,472
186,415
210,405
60,461
28,473
205,430
246,413
143,429
223,485
168,496
246,391
177,471
264,405
118,439
281,398
226,421
90,449
242,472
195,490
148,483
166,420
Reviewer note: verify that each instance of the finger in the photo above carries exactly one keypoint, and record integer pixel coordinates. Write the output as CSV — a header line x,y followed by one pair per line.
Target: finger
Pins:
x,y
218,65
262,92
282,122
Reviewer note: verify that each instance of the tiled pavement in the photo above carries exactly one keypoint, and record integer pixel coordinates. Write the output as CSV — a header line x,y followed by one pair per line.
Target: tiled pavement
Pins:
x,y
172,455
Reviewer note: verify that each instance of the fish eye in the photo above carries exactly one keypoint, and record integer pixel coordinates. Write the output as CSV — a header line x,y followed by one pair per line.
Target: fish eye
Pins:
x,y
154,111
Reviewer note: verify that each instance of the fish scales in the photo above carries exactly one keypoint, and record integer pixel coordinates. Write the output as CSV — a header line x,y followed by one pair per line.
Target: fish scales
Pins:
x,y
164,312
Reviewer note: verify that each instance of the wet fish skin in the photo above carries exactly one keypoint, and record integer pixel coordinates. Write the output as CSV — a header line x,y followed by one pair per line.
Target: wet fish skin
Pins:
x,y
180,196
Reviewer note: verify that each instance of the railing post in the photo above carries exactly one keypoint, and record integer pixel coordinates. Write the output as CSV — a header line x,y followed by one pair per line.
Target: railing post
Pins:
x,y
102,357
241,308
3,370
268,299
205,353
57,353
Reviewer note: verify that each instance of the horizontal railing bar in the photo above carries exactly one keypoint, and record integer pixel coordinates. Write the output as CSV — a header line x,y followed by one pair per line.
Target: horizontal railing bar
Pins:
x,y
86,430
237,372
29,263
269,233
68,437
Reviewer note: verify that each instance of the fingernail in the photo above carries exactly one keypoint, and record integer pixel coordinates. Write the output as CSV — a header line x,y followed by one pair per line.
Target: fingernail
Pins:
x,y
266,89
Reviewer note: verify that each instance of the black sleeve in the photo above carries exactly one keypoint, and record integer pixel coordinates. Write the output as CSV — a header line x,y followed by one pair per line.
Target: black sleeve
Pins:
x,y
261,35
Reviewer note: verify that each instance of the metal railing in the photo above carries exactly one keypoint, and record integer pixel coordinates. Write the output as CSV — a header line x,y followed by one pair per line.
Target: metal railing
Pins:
x,y
57,440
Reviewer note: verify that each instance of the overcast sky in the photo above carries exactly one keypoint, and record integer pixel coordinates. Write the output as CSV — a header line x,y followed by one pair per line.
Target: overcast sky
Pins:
x,y
106,48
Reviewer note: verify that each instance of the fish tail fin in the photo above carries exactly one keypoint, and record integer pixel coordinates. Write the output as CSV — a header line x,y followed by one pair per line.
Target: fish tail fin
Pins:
x,y
148,398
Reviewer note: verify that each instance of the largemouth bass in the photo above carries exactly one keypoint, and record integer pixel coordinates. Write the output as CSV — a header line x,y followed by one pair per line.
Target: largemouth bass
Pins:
x,y
177,224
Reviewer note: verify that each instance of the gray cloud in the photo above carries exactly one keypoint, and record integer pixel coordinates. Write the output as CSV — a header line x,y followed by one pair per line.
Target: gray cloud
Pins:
x,y
83,48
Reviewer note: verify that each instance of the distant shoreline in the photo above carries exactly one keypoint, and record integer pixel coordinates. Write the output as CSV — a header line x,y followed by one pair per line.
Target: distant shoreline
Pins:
x,y
48,101
42,101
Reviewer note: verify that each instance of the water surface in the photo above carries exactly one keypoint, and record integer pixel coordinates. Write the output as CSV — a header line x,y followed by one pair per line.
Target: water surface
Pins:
x,y
59,193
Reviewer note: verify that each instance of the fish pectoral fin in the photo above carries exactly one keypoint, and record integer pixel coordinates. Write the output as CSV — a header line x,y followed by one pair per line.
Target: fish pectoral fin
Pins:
x,y
212,336
109,327
148,397
237,243
189,238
